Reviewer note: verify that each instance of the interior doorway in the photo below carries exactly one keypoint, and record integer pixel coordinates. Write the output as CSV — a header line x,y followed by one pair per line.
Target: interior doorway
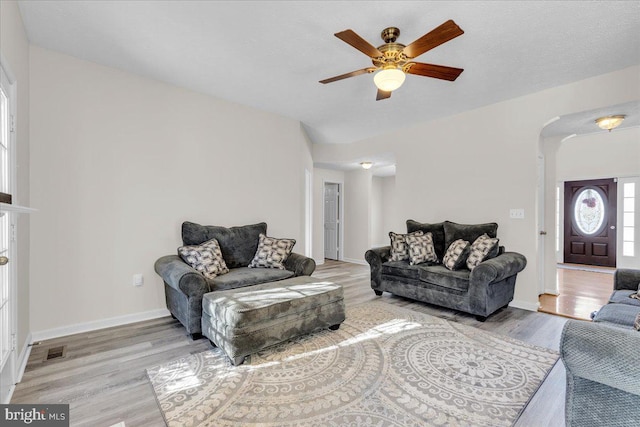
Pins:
x,y
332,220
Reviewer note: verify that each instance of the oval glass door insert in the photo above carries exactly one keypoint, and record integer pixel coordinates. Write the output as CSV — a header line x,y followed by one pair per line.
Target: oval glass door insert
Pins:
x,y
589,211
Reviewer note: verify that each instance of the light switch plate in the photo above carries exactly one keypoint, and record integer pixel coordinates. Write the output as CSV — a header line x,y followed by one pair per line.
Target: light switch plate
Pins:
x,y
516,213
138,280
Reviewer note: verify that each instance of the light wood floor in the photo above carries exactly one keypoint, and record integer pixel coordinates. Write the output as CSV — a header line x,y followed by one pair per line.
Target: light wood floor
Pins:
x,y
580,293
103,374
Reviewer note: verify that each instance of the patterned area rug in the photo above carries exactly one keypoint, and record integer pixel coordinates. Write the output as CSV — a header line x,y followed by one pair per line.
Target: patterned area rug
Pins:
x,y
385,366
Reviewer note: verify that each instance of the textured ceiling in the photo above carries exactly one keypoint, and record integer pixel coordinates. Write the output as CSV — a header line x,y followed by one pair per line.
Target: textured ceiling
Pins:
x,y
584,123
270,55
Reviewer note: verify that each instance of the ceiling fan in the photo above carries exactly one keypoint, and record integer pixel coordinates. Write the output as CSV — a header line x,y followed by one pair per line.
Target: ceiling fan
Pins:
x,y
393,61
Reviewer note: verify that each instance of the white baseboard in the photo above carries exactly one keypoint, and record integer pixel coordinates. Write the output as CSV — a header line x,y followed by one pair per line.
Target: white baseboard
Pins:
x,y
551,291
98,324
525,305
356,261
319,261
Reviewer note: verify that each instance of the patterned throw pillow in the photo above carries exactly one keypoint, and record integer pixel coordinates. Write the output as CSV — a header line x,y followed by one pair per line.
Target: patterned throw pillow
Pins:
x,y
399,247
480,249
206,258
272,252
421,248
636,323
456,254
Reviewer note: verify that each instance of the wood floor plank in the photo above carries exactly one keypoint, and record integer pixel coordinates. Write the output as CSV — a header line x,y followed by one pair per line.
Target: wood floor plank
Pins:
x,y
103,376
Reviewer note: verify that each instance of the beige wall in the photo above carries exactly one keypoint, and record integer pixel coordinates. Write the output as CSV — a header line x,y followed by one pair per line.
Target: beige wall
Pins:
x,y
14,47
475,166
120,161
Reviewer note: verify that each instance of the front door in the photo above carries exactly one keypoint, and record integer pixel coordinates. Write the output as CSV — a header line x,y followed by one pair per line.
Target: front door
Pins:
x,y
590,222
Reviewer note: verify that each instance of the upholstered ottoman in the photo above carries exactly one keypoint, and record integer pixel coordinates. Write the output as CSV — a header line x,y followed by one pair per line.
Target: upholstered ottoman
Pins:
x,y
245,320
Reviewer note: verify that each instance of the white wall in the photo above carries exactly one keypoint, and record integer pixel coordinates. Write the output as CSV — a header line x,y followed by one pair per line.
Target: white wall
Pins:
x,y
378,237
120,161
599,155
14,47
320,176
390,208
473,167
357,215
613,154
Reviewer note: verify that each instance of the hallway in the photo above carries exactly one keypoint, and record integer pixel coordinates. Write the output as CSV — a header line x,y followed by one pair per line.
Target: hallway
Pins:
x,y
580,291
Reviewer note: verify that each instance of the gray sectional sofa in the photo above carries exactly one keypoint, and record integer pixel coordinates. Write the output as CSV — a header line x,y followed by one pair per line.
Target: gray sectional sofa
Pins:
x,y
481,292
184,286
602,360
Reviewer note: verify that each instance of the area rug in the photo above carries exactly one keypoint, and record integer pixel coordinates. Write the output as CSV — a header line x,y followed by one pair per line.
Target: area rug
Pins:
x,y
385,366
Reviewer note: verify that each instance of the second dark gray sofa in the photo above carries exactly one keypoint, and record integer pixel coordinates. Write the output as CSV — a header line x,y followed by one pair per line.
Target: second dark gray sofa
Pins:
x,y
601,360
184,286
482,291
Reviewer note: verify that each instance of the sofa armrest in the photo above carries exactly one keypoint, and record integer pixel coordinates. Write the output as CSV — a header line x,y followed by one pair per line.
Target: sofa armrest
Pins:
x,y
375,257
625,278
181,277
300,264
497,269
378,255
603,354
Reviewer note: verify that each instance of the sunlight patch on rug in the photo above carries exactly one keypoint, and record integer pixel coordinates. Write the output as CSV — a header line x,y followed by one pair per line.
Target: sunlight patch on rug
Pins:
x,y
385,366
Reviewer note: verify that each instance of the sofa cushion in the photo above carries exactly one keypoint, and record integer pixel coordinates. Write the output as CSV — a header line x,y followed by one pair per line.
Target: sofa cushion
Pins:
x,y
421,249
439,275
480,250
238,244
399,247
456,255
245,276
620,314
401,269
436,230
272,252
205,258
624,297
468,232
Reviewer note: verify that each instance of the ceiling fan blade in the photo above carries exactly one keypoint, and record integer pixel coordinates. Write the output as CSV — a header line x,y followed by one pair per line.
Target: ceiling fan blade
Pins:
x,y
442,34
350,37
347,75
382,95
432,70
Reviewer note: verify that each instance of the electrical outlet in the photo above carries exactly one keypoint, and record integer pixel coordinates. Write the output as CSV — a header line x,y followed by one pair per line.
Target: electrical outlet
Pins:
x,y
516,213
138,280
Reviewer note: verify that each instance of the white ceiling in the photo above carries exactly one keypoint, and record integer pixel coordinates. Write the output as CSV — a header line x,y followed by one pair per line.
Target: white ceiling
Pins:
x,y
583,123
270,55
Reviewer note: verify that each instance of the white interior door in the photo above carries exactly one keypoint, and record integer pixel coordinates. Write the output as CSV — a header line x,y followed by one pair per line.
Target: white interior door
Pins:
x,y
331,220
7,288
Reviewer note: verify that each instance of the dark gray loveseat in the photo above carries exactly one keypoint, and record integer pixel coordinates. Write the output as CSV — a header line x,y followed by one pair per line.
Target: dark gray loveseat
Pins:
x,y
482,291
602,359
184,286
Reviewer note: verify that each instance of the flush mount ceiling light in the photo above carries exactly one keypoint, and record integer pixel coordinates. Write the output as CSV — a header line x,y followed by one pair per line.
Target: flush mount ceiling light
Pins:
x,y
610,122
366,165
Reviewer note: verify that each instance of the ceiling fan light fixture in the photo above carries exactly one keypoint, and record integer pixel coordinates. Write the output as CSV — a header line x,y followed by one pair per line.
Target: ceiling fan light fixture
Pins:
x,y
389,79
366,165
610,122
